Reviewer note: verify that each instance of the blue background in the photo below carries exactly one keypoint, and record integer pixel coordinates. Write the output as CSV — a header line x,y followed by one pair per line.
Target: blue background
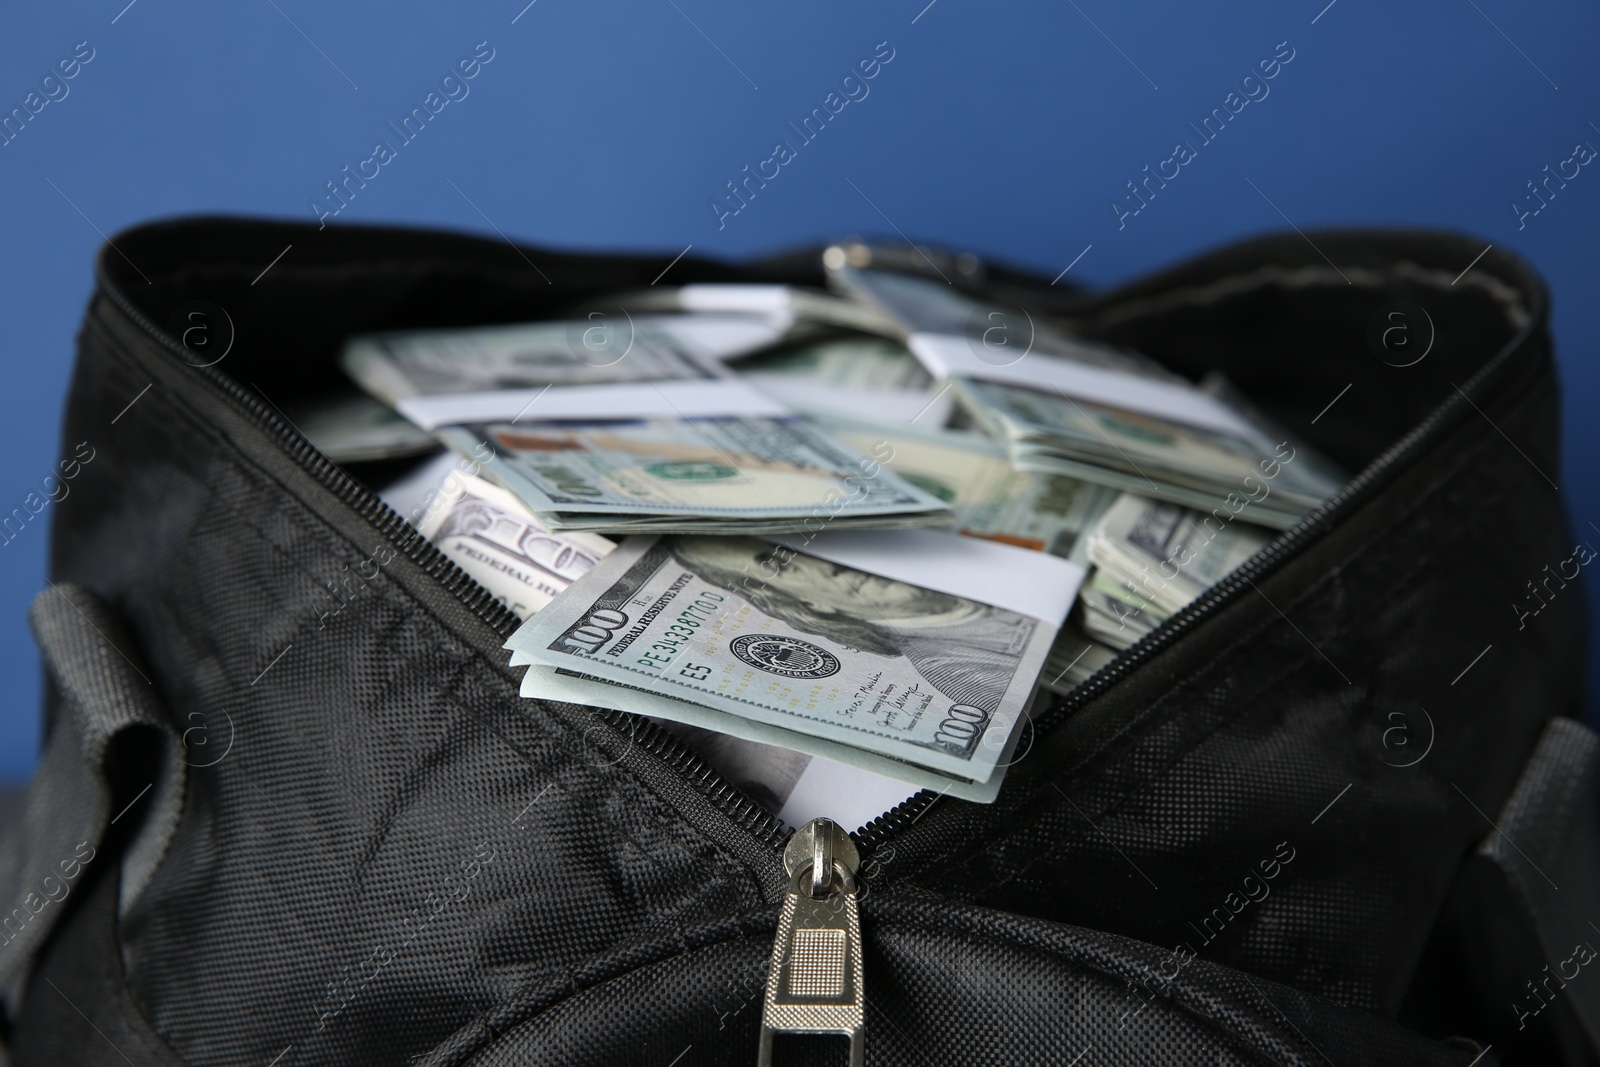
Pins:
x,y
605,124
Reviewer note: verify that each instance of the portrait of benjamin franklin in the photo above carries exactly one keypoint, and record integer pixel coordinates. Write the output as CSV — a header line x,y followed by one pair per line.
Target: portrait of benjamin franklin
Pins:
x,y
966,650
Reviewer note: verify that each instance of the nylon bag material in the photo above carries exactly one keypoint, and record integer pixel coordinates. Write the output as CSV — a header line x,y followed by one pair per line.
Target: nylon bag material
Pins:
x,y
396,853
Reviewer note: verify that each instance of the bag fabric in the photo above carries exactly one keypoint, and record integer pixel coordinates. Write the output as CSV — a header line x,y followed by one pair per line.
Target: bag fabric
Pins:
x,y
1336,810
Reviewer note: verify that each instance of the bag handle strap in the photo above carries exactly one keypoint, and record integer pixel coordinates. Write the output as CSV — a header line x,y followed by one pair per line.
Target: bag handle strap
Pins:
x,y
1525,908
111,757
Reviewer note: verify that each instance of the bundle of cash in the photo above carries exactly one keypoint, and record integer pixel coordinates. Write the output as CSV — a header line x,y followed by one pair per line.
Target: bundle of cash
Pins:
x,y
715,475
913,655
761,456
1184,464
653,436
490,535
1151,558
1115,616
444,377
1065,405
988,497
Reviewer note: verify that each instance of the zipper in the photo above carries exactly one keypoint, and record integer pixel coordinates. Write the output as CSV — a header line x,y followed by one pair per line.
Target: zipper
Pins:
x,y
1198,610
814,983
706,780
762,825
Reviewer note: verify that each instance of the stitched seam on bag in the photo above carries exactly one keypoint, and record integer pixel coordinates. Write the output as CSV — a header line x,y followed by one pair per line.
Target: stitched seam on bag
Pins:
x,y
538,1019
566,769
576,982
1202,1013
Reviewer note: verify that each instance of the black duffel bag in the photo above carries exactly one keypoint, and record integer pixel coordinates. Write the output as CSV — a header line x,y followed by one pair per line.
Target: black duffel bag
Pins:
x,y
1339,810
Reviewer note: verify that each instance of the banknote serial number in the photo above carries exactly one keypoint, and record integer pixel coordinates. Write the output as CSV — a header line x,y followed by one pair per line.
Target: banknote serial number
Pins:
x,y
602,625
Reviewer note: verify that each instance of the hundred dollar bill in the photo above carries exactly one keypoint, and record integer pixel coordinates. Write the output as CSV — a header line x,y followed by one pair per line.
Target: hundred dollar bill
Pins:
x,y
426,374
796,786
931,674
712,475
496,540
849,786
987,495
491,536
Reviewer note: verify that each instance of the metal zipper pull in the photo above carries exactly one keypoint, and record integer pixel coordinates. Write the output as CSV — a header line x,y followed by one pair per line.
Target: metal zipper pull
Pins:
x,y
814,985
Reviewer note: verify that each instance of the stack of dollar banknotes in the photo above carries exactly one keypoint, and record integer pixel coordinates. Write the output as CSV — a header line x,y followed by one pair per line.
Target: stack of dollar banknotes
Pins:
x,y
844,542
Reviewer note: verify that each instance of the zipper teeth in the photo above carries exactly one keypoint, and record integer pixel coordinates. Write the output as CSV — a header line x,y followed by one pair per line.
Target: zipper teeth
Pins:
x,y
704,778
749,815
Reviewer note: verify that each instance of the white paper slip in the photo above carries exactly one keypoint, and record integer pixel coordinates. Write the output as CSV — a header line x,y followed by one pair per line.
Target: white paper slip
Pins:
x,y
723,336
770,300
792,785
780,305
948,356
850,796
621,400
1031,583
602,348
